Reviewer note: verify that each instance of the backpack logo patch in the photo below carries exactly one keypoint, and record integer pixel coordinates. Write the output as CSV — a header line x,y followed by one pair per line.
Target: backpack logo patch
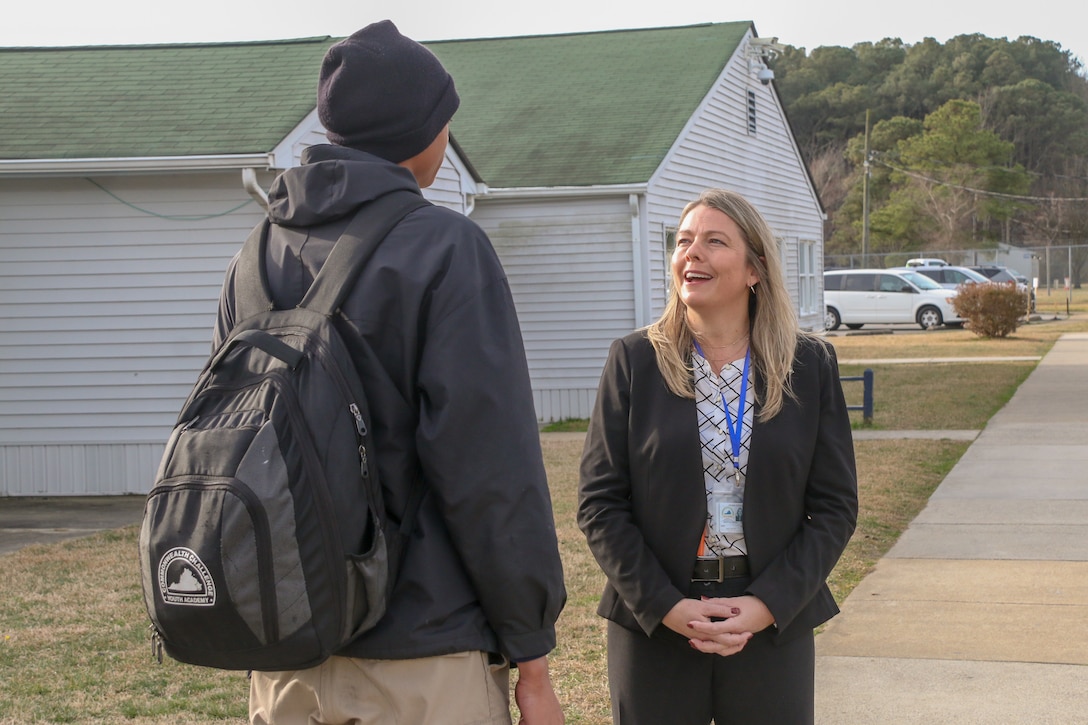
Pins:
x,y
185,580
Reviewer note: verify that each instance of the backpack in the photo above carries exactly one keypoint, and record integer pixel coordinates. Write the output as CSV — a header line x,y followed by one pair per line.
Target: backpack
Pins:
x,y
265,543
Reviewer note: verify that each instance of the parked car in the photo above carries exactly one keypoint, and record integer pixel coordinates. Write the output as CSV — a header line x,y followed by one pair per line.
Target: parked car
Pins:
x,y
926,262
951,277
997,273
856,297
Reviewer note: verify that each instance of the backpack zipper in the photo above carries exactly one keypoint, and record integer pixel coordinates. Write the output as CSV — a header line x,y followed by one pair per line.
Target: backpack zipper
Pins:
x,y
360,426
353,408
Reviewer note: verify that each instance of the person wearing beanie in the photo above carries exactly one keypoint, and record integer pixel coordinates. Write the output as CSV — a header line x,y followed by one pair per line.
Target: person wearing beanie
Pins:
x,y
481,583
382,93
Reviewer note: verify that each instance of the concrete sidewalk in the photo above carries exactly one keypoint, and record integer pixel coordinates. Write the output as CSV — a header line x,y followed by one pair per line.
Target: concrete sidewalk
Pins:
x,y
979,613
46,520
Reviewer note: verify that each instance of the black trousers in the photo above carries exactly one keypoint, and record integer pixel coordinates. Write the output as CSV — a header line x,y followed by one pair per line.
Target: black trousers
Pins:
x,y
661,680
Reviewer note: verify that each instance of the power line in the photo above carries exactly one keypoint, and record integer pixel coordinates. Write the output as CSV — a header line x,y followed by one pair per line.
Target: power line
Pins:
x,y
983,192
181,217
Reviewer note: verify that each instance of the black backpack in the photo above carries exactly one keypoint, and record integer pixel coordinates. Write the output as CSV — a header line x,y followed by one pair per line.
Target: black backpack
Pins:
x,y
265,544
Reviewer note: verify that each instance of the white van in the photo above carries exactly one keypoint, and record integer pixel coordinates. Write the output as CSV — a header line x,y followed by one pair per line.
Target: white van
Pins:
x,y
926,262
856,297
948,276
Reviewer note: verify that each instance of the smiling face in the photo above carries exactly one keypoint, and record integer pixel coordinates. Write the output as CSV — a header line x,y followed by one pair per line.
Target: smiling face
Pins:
x,y
710,265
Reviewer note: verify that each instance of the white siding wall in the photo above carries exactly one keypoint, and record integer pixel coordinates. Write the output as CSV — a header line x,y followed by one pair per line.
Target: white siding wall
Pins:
x,y
716,149
312,137
106,313
309,131
570,269
454,185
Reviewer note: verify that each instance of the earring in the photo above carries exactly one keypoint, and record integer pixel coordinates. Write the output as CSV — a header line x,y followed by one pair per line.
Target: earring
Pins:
x,y
752,288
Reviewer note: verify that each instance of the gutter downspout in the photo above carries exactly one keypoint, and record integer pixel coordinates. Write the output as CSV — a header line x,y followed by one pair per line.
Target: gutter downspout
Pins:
x,y
638,263
249,183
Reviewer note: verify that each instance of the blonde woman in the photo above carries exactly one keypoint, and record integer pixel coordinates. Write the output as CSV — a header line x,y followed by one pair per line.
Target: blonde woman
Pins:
x,y
718,487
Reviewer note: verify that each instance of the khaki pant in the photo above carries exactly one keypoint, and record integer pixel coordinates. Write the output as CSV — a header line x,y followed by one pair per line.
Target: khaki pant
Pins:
x,y
458,689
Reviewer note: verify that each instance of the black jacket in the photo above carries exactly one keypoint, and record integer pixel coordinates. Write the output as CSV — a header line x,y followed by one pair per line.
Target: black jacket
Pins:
x,y
482,568
642,502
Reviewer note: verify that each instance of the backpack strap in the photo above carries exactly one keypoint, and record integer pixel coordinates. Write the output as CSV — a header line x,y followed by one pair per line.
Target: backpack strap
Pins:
x,y
334,281
332,285
355,247
251,290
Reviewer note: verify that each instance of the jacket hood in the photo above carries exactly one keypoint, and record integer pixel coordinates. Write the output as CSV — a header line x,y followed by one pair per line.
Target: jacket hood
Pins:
x,y
332,182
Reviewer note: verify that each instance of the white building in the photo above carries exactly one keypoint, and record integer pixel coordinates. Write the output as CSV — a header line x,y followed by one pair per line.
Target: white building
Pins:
x,y
122,200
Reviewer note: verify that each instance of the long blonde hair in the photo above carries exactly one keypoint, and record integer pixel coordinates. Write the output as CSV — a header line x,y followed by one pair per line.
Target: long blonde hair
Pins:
x,y
774,328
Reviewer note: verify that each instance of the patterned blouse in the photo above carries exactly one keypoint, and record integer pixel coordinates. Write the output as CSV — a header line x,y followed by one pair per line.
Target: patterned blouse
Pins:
x,y
724,496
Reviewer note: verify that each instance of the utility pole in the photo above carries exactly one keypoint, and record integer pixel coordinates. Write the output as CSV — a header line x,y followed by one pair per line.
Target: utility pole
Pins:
x,y
865,199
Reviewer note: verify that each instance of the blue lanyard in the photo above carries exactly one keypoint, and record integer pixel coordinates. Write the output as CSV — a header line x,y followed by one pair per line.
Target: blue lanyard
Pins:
x,y
734,427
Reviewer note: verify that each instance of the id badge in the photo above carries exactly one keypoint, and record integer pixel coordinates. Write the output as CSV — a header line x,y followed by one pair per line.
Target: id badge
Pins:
x,y
726,516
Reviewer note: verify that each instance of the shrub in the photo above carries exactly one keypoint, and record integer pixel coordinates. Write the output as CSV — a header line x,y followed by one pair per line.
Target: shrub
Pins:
x,y
991,309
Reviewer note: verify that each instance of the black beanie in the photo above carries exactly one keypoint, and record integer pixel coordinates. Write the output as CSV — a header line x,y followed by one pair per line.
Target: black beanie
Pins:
x,y
383,93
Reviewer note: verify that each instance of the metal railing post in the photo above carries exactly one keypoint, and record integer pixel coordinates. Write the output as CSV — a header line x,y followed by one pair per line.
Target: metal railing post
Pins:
x,y
867,396
866,407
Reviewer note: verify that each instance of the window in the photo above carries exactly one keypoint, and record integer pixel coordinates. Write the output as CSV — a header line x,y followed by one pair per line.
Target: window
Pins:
x,y
806,276
751,112
891,283
670,247
860,282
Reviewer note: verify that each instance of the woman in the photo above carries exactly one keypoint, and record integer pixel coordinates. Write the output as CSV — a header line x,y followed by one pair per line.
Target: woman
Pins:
x,y
718,487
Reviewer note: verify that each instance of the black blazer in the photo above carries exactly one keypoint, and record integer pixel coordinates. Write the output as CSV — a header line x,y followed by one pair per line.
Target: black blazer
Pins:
x,y
642,502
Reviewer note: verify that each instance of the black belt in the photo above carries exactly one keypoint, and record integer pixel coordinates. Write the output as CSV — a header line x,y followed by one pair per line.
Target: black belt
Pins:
x,y
719,569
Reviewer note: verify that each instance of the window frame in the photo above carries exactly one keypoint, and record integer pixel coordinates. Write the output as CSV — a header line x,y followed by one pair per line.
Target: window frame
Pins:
x,y
806,277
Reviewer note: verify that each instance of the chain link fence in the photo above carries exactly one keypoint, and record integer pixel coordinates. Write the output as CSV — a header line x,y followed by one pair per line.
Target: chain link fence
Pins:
x,y
1049,267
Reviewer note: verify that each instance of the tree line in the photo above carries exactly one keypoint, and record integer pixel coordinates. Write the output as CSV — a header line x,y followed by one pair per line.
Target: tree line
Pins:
x,y
972,142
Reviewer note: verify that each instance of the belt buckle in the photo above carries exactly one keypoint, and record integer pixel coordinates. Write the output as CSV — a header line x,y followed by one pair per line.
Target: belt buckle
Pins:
x,y
720,577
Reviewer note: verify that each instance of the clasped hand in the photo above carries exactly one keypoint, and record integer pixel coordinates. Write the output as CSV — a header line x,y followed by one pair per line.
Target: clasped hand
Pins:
x,y
719,626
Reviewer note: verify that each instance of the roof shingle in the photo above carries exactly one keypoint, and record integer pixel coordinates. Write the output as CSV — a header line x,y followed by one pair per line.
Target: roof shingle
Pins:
x,y
581,109
155,100
559,110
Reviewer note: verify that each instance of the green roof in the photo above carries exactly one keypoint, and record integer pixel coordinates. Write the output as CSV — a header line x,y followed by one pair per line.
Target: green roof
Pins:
x,y
557,110
581,109
155,100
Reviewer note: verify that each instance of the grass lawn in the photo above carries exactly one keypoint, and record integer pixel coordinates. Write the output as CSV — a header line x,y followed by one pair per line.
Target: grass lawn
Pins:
x,y
1061,301
1032,339
73,632
957,396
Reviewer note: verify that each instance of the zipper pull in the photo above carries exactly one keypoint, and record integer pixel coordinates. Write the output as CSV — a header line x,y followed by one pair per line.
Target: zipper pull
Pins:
x,y
359,424
156,644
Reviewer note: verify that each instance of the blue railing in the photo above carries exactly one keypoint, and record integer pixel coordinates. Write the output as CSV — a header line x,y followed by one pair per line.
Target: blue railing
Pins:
x,y
866,407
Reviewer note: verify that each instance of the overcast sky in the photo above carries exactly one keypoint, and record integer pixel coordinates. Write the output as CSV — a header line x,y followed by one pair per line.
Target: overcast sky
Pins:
x,y
804,23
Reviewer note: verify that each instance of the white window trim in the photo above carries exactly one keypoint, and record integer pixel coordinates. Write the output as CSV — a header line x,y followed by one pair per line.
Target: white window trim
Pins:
x,y
806,276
